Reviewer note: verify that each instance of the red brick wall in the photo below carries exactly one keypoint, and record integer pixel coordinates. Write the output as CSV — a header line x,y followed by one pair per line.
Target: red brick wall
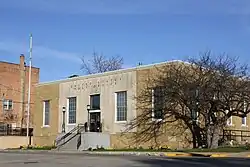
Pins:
x,y
10,88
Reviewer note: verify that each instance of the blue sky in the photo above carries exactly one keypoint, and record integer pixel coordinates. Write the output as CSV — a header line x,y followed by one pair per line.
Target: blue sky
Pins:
x,y
146,31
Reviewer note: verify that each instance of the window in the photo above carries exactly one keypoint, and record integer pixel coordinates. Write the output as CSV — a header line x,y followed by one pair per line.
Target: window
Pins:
x,y
229,120
8,104
244,119
95,102
72,110
46,112
158,102
121,106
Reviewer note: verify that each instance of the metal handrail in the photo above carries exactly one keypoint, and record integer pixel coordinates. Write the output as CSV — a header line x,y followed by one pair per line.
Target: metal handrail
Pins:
x,y
69,133
74,134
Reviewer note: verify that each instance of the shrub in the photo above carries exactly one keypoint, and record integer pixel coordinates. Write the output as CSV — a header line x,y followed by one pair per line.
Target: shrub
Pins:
x,y
247,146
36,147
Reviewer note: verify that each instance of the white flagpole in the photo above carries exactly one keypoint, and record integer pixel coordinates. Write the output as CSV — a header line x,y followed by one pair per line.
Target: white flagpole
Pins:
x,y
28,110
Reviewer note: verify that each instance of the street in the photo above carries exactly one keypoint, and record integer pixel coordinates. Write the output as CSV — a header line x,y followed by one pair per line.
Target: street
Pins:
x,y
63,160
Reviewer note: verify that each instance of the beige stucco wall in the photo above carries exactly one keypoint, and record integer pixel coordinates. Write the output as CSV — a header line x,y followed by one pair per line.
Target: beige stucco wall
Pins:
x,y
46,135
106,85
13,141
237,125
166,138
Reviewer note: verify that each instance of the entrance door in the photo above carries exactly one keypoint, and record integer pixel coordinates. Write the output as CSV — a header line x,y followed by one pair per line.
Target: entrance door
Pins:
x,y
95,121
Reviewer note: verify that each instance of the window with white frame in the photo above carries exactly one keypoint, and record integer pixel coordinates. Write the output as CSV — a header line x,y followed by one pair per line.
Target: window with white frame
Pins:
x,y
244,119
229,120
157,102
72,110
46,112
7,104
121,106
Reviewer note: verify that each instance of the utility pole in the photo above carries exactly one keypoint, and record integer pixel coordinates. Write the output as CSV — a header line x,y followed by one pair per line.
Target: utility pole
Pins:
x,y
28,110
194,115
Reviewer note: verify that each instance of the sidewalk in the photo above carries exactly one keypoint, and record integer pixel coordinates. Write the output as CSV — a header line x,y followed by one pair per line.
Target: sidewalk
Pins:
x,y
161,154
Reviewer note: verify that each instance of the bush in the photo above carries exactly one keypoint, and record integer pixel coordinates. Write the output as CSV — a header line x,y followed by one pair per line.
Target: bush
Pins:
x,y
98,148
40,147
247,146
222,142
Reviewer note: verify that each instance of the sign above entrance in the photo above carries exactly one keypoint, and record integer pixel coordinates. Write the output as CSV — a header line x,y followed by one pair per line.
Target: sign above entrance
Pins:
x,y
82,85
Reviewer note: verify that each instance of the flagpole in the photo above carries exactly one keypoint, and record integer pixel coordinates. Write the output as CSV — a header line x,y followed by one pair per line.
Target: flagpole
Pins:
x,y
28,110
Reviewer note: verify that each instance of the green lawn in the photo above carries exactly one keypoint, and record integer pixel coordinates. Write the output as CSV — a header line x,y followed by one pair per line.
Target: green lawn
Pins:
x,y
41,148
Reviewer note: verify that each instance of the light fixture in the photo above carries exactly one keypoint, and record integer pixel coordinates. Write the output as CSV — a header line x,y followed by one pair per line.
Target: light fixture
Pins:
x,y
88,107
64,109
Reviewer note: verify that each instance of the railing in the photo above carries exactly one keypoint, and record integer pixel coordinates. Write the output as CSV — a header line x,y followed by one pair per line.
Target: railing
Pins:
x,y
232,134
17,131
69,136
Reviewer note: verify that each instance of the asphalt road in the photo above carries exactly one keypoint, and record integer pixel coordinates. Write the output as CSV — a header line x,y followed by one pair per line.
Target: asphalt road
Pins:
x,y
56,160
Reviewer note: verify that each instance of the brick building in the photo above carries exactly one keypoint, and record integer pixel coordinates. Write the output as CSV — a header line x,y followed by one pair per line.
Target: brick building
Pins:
x,y
14,80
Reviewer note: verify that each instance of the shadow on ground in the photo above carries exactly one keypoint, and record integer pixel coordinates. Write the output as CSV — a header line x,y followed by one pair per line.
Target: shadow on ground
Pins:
x,y
199,155
193,162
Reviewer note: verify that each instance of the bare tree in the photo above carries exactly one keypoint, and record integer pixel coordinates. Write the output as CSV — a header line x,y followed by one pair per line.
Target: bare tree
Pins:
x,y
99,63
8,117
194,97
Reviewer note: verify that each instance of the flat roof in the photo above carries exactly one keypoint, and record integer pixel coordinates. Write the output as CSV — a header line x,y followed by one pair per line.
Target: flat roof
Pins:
x,y
5,62
139,67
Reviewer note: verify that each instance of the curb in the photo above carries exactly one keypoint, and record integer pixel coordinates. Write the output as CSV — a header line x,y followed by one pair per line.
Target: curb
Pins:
x,y
117,153
219,155
178,154
157,154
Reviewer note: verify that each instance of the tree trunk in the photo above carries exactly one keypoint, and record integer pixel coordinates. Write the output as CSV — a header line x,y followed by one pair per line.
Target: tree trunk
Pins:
x,y
197,137
194,140
216,137
213,136
209,136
